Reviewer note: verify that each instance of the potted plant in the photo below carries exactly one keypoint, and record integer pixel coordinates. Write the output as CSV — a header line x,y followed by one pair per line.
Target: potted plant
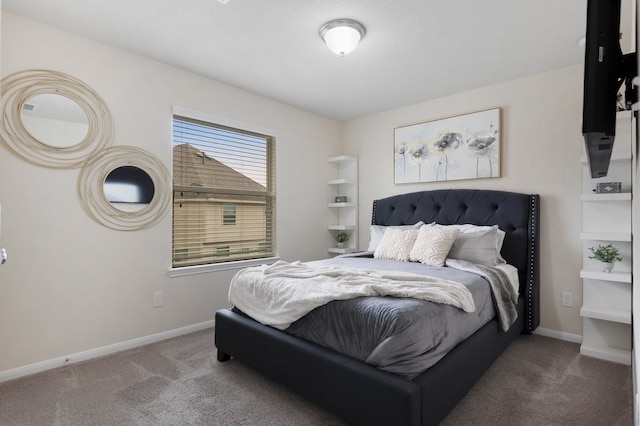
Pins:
x,y
606,255
341,237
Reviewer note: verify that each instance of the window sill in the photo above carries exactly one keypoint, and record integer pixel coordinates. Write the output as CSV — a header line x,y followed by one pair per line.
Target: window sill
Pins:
x,y
202,269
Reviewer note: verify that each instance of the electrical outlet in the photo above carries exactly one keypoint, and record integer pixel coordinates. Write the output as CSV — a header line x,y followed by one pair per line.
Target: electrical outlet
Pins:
x,y
566,299
156,299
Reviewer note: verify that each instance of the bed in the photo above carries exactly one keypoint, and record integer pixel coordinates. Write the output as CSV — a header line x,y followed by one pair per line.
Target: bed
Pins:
x,y
363,394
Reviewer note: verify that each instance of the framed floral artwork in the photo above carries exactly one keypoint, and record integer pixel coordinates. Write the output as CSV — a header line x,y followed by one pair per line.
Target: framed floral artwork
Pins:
x,y
462,147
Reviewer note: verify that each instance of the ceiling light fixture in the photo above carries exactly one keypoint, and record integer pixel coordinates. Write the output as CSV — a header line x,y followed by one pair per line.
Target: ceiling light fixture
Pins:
x,y
342,35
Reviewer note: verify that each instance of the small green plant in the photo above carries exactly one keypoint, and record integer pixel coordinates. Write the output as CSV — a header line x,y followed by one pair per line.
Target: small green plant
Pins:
x,y
342,236
607,254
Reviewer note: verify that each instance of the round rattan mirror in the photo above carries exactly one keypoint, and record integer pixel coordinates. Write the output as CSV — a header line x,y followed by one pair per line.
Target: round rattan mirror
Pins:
x,y
57,141
125,188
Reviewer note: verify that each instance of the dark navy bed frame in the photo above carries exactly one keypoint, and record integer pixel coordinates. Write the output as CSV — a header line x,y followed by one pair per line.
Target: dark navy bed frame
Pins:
x,y
362,394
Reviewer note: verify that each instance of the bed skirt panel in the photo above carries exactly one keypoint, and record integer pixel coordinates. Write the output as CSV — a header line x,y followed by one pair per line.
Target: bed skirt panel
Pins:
x,y
344,386
448,381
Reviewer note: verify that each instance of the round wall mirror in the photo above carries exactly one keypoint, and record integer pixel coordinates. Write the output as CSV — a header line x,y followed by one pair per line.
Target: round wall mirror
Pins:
x,y
73,126
55,120
125,188
128,188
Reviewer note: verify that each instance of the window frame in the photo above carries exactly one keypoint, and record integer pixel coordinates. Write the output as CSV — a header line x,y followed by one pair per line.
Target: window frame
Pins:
x,y
229,214
234,264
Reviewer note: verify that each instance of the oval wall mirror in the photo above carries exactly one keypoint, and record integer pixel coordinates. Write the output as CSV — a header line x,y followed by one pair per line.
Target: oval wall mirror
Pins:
x,y
26,135
54,120
125,188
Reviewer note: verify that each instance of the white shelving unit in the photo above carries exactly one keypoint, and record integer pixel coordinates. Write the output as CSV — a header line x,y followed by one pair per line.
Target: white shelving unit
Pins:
x,y
607,219
343,181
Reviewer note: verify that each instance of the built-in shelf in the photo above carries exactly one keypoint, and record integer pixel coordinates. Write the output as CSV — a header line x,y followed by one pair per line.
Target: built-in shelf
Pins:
x,y
606,236
607,314
340,205
343,181
343,250
341,159
620,277
622,196
342,227
621,356
615,158
607,219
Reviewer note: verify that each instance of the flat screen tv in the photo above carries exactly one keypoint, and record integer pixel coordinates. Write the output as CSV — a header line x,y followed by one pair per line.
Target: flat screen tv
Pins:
x,y
605,70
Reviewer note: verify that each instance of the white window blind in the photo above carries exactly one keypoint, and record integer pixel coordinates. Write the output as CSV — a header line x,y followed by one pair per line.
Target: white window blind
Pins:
x,y
224,194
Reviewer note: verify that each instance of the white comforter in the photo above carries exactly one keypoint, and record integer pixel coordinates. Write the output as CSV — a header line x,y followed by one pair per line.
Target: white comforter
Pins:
x,y
280,294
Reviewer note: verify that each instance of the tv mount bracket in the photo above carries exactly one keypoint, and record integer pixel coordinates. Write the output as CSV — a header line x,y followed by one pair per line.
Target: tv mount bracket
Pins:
x,y
628,71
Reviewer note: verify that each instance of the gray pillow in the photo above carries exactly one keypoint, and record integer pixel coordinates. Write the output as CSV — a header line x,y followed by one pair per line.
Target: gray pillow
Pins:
x,y
477,245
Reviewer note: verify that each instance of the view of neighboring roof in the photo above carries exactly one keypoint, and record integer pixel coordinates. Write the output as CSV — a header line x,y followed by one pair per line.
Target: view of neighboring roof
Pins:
x,y
193,169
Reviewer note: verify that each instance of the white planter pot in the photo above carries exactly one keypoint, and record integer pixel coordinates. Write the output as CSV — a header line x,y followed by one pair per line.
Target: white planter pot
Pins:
x,y
340,245
606,266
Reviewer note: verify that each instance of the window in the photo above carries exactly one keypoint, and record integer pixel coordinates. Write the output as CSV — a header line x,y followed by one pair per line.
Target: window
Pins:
x,y
229,214
224,193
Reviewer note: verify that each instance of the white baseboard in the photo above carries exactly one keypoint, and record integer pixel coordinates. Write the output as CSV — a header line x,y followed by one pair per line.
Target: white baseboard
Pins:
x,y
561,335
141,341
101,351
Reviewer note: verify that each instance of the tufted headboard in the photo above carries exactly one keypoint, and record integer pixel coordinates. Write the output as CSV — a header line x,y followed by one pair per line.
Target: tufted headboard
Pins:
x,y
514,213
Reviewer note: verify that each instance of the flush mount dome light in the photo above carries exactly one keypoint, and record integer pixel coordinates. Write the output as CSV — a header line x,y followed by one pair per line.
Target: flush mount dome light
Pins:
x,y
342,35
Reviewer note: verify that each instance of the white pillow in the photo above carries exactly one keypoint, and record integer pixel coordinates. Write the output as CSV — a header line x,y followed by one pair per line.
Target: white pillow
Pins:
x,y
377,231
396,244
432,245
478,244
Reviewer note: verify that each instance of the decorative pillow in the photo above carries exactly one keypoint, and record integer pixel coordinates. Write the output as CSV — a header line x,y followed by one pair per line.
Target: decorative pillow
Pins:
x,y
396,244
499,240
377,231
478,244
432,245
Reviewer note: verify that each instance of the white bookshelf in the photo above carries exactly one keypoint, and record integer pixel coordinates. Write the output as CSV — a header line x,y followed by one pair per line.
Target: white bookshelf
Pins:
x,y
343,216
607,219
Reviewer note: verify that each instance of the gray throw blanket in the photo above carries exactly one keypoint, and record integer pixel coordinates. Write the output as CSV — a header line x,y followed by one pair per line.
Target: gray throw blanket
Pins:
x,y
505,297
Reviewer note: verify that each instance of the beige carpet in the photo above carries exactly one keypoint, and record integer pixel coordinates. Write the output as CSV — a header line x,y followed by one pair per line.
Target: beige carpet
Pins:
x,y
538,381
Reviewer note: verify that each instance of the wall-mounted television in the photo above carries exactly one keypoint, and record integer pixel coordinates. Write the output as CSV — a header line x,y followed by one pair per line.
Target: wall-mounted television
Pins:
x,y
606,69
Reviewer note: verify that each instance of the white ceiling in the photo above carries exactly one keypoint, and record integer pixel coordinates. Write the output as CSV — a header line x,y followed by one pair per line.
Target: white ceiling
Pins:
x,y
414,50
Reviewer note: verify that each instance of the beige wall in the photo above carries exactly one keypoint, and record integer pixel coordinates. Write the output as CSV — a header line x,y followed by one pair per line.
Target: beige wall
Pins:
x,y
541,148
72,285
